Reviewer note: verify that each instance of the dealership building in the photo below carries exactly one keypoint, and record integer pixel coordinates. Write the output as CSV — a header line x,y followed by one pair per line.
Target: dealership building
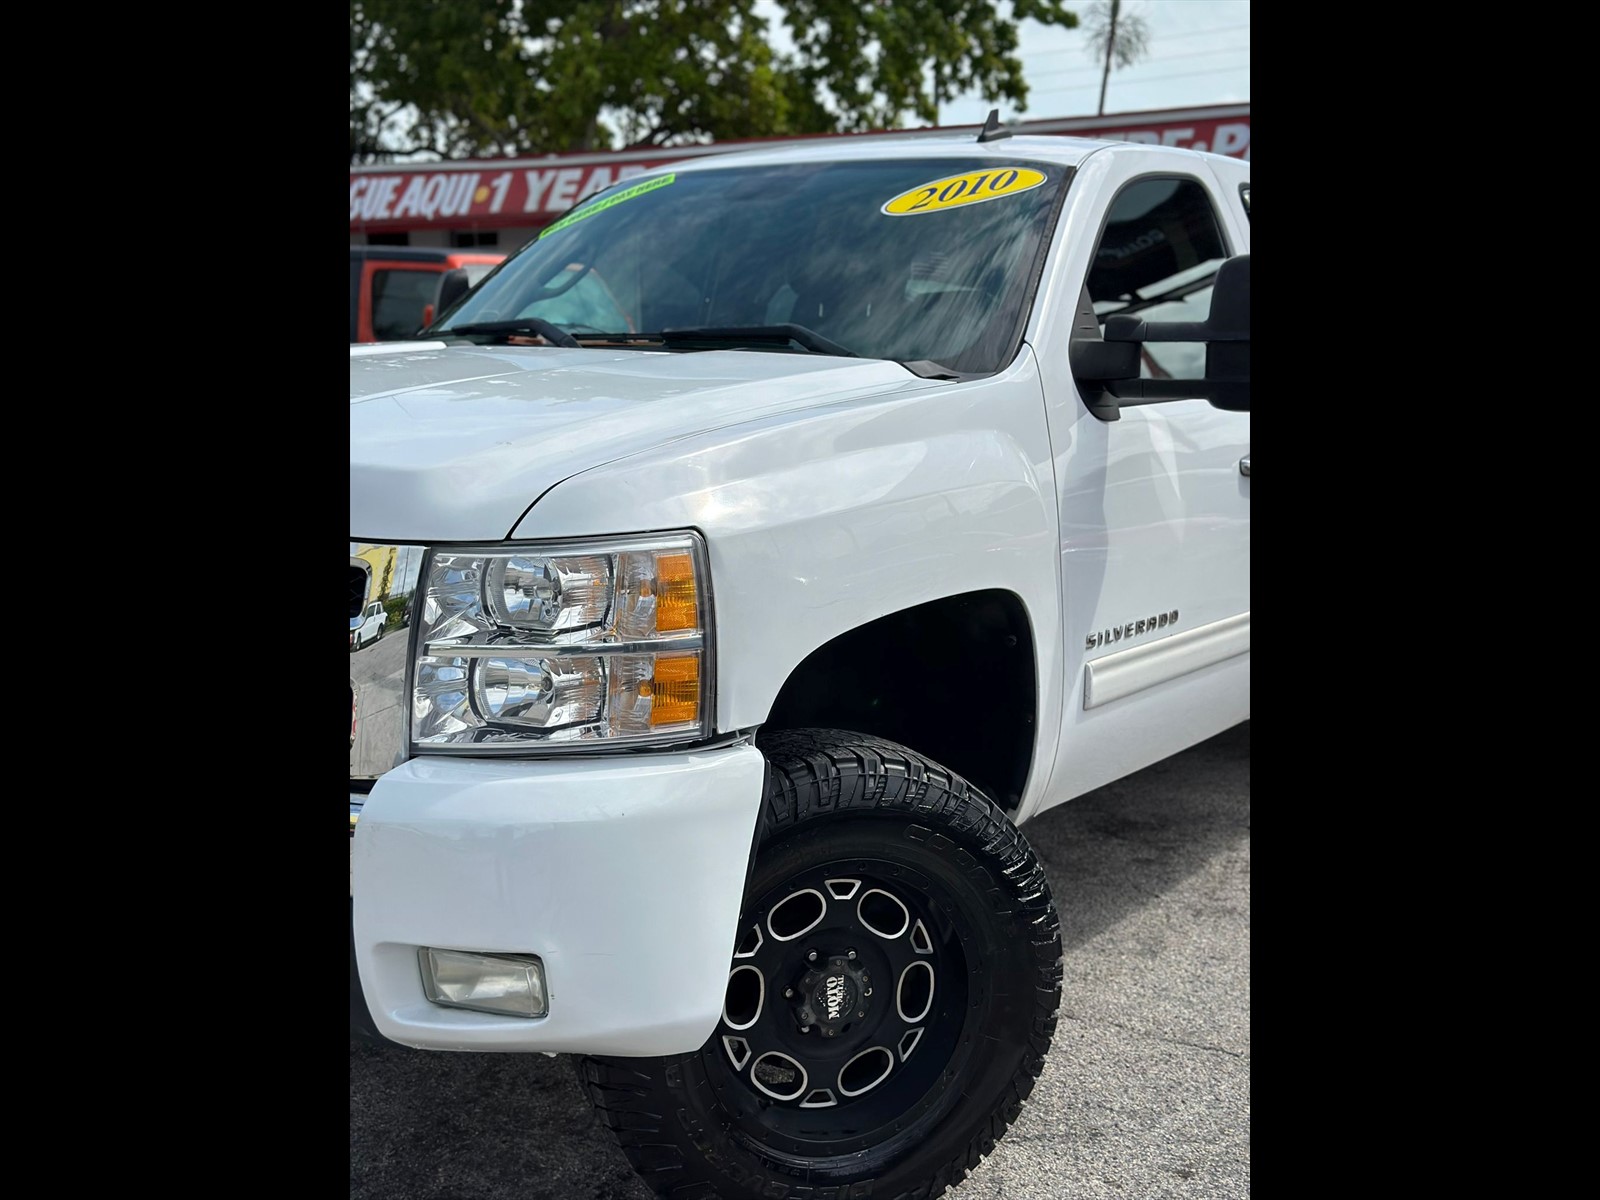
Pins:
x,y
498,204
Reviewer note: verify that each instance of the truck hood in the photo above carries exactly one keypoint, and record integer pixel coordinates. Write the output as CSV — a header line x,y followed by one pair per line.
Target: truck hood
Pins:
x,y
454,443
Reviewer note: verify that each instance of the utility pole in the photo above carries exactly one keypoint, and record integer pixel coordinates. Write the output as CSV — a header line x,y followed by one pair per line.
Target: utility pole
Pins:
x,y
1111,41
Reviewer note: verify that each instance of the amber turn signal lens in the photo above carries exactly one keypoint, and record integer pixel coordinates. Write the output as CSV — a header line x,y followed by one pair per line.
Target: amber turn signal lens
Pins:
x,y
676,690
675,595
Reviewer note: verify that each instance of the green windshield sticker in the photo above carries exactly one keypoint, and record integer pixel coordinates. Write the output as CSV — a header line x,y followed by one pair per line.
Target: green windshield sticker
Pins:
x,y
598,206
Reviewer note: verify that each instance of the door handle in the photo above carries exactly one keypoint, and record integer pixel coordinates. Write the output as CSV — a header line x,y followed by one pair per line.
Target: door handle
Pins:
x,y
1244,465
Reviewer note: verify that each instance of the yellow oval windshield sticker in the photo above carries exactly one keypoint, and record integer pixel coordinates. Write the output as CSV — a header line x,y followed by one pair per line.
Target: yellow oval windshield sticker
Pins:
x,y
973,187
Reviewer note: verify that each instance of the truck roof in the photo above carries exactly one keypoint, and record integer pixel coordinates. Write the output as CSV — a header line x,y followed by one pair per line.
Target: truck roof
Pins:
x,y
1068,151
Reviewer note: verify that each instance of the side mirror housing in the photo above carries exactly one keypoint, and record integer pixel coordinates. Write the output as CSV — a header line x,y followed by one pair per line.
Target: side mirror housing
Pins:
x,y
1225,331
1101,360
1096,362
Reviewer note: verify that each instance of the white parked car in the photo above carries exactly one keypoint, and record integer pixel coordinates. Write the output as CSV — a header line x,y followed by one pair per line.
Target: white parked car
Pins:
x,y
781,533
368,625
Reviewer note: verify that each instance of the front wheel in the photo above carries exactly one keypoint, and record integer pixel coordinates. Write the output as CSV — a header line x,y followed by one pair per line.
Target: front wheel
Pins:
x,y
890,997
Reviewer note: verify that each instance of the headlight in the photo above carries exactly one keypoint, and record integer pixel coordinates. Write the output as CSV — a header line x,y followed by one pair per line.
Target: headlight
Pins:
x,y
575,645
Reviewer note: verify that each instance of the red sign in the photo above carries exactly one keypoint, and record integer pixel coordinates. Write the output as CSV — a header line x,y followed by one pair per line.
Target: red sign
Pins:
x,y
533,192
1220,137
483,197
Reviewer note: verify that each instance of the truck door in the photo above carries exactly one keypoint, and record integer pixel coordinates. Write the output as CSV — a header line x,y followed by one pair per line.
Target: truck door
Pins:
x,y
1154,506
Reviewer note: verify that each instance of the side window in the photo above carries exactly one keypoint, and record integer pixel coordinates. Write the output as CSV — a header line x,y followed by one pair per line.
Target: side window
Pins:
x,y
398,298
1160,250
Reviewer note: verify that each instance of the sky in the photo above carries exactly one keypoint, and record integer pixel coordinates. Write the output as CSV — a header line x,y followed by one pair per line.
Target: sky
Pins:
x,y
1199,54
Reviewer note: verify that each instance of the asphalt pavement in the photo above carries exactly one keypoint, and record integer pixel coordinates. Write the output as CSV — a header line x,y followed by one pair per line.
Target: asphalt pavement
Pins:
x,y
1146,1091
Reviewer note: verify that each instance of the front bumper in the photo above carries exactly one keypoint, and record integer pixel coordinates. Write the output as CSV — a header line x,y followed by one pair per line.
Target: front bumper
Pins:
x,y
623,874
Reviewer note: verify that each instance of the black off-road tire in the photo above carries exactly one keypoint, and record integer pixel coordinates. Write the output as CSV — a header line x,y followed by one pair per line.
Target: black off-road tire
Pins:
x,y
689,1125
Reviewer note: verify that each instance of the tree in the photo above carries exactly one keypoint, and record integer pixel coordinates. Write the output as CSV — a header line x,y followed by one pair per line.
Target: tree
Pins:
x,y
1115,34
474,78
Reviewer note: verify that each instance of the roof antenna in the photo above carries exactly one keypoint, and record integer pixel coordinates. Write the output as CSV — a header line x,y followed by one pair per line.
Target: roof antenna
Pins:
x,y
992,132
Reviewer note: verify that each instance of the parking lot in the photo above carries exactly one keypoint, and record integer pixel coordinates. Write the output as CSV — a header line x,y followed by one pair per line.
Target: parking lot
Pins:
x,y
1146,1092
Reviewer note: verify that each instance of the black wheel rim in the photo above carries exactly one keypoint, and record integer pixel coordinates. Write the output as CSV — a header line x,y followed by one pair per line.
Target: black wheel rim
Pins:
x,y
821,1051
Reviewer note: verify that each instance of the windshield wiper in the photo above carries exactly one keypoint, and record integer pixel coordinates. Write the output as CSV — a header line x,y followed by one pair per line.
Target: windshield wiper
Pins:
x,y
758,335
767,335
553,334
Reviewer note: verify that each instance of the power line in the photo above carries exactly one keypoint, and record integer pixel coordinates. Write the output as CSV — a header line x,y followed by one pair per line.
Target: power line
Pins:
x,y
1149,79
1159,61
1176,37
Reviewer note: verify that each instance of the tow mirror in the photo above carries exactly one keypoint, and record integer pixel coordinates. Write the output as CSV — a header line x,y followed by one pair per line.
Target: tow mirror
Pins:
x,y
1095,361
1110,379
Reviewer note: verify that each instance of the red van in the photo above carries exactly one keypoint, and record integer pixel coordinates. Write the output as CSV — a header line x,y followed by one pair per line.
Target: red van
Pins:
x,y
392,286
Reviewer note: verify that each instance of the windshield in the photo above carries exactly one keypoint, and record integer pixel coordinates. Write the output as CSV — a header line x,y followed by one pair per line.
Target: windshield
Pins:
x,y
906,259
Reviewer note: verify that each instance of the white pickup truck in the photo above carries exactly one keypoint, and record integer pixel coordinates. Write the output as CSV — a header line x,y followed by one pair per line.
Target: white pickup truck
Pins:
x,y
777,535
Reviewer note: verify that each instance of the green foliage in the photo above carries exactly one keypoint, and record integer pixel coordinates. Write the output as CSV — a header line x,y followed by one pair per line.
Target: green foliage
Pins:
x,y
464,78
882,60
458,66
395,610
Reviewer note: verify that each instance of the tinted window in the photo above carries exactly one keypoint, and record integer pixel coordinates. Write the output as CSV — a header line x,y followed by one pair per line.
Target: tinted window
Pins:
x,y
1160,250
398,298
943,277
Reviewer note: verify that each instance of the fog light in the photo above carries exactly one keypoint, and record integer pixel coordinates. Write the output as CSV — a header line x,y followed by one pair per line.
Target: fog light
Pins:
x,y
509,985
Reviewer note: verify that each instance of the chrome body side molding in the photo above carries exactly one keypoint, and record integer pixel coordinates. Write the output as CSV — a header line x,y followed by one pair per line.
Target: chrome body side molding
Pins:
x,y
1114,676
